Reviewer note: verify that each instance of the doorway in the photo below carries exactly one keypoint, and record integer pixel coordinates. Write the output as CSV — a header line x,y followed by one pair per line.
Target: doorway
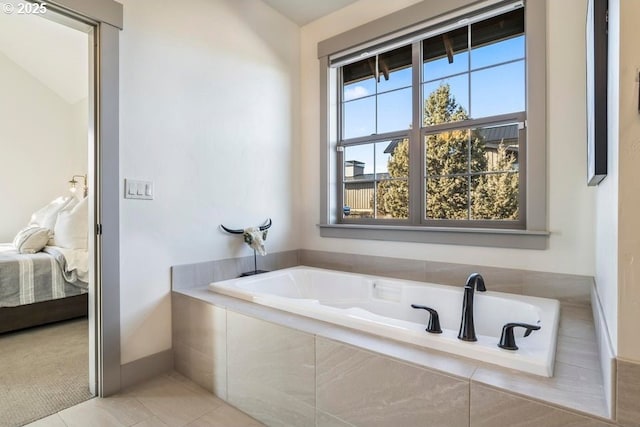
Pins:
x,y
46,275
99,21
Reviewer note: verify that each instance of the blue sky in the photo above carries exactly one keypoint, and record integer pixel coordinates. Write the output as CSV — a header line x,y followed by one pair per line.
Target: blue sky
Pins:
x,y
497,90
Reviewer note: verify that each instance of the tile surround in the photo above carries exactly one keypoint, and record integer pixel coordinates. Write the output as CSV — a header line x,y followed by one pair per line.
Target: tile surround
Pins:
x,y
188,276
565,287
367,389
492,408
568,391
628,408
271,371
325,420
575,357
199,343
572,387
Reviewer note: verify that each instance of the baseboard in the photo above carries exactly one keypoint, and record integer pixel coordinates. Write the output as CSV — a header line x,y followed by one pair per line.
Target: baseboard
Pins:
x,y
141,370
606,352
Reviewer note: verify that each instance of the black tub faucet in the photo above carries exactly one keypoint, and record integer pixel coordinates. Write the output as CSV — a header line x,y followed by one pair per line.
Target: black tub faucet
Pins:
x,y
467,329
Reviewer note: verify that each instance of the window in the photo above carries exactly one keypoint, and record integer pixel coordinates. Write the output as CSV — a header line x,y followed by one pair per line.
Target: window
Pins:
x,y
471,102
429,129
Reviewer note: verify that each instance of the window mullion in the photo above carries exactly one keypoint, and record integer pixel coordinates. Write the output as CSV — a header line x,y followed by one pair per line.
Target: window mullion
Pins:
x,y
416,158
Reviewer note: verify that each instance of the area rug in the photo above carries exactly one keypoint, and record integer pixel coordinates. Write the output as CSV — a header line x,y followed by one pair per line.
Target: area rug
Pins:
x,y
43,370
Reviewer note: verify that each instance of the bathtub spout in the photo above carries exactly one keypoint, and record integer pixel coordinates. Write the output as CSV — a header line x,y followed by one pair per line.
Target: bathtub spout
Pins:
x,y
467,329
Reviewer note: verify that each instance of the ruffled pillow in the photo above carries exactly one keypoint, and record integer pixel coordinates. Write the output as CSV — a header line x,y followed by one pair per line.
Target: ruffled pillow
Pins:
x,y
72,225
46,217
31,239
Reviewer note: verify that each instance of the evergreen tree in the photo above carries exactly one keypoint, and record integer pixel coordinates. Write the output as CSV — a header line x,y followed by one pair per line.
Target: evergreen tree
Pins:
x,y
493,196
448,153
496,195
393,195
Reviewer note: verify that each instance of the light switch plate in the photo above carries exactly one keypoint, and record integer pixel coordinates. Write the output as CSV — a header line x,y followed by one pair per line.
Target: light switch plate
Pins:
x,y
134,189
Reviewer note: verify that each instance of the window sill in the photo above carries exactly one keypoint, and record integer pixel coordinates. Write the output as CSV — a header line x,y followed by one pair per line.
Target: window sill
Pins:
x,y
496,238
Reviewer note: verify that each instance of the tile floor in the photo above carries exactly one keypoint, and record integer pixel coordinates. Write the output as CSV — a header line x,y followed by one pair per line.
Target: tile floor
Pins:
x,y
169,400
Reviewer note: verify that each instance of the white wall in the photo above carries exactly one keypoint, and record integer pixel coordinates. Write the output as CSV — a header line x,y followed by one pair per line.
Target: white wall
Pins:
x,y
571,202
606,225
41,145
208,112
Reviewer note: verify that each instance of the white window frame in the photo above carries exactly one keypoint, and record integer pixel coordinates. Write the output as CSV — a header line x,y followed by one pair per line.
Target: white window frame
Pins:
x,y
421,18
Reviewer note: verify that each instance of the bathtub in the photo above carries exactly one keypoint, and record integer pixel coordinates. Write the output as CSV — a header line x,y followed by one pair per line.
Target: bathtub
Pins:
x,y
382,306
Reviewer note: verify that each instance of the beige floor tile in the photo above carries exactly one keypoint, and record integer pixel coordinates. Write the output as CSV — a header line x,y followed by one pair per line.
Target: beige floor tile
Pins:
x,y
151,422
174,403
115,410
89,414
50,421
169,400
225,416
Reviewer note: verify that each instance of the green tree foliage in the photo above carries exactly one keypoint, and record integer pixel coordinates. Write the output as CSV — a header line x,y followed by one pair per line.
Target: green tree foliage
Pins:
x,y
393,195
496,195
449,155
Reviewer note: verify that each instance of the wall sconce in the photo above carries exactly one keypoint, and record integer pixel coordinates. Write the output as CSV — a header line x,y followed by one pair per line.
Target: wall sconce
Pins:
x,y
73,183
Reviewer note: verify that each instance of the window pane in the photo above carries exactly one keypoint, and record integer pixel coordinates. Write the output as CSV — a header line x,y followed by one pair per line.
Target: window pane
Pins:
x,y
359,89
446,101
392,159
394,111
358,181
358,200
498,90
392,199
495,53
447,198
447,153
501,27
358,162
359,118
394,69
495,196
495,149
445,54
439,68
359,71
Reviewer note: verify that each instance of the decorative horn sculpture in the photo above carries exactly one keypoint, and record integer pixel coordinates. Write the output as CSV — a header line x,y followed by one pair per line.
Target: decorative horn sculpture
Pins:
x,y
229,230
266,226
254,237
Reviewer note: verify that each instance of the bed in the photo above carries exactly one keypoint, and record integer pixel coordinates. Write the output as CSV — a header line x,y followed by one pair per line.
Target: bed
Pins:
x,y
41,288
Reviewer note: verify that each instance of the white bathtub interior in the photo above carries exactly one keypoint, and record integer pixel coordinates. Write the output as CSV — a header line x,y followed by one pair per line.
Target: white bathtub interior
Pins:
x,y
382,306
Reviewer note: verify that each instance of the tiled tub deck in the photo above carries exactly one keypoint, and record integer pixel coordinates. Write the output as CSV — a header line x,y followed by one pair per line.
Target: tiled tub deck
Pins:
x,y
285,369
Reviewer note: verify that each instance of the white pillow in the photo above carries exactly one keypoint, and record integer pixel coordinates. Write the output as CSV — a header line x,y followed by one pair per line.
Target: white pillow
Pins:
x,y
31,239
46,217
72,226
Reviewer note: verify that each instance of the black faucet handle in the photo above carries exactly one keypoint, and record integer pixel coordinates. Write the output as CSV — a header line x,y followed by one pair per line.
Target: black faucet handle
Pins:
x,y
434,320
508,341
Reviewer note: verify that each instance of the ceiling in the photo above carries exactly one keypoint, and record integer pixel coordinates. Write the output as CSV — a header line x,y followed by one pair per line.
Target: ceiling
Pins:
x,y
52,53
304,11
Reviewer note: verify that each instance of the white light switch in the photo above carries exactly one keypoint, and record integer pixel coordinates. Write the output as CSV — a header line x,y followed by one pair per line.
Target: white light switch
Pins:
x,y
134,189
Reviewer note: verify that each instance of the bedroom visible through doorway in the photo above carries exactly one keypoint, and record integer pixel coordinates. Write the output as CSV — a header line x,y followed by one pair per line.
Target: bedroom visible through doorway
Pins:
x,y
47,159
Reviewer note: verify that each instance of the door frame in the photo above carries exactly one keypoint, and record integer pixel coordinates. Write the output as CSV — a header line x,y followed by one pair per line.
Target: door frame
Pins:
x,y
106,18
